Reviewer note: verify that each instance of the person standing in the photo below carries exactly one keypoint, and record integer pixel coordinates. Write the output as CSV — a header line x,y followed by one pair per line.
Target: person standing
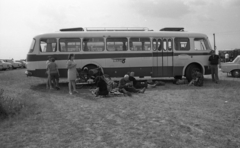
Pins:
x,y
54,73
72,74
213,62
49,83
226,57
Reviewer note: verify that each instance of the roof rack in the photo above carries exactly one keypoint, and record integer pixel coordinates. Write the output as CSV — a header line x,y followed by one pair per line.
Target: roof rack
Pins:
x,y
172,29
118,29
72,29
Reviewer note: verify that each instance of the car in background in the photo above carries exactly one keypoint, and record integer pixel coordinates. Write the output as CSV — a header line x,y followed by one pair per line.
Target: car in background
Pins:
x,y
14,64
1,66
232,67
6,65
22,62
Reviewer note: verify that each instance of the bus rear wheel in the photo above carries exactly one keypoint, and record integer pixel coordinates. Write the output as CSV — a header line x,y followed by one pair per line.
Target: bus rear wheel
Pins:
x,y
235,73
190,71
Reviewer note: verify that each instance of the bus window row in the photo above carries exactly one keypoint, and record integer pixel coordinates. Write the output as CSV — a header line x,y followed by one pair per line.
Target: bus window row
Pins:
x,y
97,44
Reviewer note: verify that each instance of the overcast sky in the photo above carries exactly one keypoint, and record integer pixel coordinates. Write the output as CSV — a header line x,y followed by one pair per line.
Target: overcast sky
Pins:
x,y
21,20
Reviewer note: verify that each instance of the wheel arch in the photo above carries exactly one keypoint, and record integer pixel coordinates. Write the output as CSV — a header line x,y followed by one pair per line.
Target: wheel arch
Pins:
x,y
238,70
196,64
93,64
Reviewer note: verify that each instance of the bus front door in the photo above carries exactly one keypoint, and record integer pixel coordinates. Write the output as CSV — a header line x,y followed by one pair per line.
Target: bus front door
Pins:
x,y
167,57
157,68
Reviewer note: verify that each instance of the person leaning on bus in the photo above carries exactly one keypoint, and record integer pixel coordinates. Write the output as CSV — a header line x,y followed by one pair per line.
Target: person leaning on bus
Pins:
x,y
214,61
72,74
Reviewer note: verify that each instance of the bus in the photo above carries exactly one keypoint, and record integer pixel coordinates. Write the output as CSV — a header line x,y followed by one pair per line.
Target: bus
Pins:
x,y
169,52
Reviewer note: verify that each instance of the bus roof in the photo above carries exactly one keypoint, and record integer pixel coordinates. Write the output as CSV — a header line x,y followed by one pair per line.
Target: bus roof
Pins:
x,y
121,32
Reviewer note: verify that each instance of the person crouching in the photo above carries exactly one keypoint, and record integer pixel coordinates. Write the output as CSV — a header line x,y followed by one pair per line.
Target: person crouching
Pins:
x,y
101,85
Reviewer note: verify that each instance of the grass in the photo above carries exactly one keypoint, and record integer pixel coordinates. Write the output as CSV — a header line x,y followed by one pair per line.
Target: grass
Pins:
x,y
177,116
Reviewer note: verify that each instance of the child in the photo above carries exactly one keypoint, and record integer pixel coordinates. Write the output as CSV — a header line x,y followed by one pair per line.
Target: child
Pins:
x,y
54,73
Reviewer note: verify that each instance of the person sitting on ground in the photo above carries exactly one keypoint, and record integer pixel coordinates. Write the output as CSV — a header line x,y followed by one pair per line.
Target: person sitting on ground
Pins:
x,y
197,79
54,73
126,86
101,85
139,85
180,81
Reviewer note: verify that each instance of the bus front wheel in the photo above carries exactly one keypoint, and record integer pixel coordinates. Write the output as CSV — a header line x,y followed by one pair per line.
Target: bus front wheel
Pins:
x,y
190,71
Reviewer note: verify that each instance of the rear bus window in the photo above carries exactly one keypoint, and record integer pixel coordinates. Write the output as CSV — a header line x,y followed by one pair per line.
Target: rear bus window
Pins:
x,y
182,44
93,44
140,44
32,46
48,45
200,44
117,44
70,45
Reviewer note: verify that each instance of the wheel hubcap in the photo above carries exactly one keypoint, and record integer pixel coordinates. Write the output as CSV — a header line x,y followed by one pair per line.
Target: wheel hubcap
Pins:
x,y
236,73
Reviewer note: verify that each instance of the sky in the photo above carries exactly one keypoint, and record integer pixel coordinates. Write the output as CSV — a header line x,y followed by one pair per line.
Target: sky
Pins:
x,y
21,20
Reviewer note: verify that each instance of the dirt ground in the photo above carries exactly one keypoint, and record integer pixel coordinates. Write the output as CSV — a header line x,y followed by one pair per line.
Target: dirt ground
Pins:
x,y
176,116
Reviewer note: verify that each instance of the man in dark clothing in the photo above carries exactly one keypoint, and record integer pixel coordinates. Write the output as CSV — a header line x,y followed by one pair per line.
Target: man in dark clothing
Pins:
x,y
125,86
213,62
101,84
135,83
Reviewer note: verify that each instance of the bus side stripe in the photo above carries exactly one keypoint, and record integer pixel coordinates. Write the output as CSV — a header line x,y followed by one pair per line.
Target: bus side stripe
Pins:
x,y
44,57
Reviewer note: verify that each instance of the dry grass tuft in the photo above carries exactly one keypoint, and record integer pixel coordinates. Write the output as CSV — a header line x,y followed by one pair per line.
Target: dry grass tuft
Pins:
x,y
9,107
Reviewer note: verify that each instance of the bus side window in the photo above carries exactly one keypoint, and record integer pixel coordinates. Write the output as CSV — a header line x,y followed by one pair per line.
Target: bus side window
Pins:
x,y
154,44
170,44
48,45
159,45
164,44
69,45
117,44
182,44
93,44
140,44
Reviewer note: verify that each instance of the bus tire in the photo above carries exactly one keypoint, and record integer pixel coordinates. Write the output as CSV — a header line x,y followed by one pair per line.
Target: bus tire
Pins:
x,y
92,66
235,73
190,70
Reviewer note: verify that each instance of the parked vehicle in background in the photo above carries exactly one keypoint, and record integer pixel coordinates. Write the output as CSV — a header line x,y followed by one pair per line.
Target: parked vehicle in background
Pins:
x,y
14,64
232,67
6,65
232,54
1,66
23,63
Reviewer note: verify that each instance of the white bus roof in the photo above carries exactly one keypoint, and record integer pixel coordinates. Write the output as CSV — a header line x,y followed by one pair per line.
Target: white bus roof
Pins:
x,y
120,32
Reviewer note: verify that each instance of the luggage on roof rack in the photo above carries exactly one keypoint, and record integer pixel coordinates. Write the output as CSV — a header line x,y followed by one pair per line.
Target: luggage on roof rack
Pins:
x,y
172,29
72,29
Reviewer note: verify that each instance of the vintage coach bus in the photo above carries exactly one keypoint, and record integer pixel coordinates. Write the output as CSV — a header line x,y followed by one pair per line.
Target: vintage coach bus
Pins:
x,y
170,52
